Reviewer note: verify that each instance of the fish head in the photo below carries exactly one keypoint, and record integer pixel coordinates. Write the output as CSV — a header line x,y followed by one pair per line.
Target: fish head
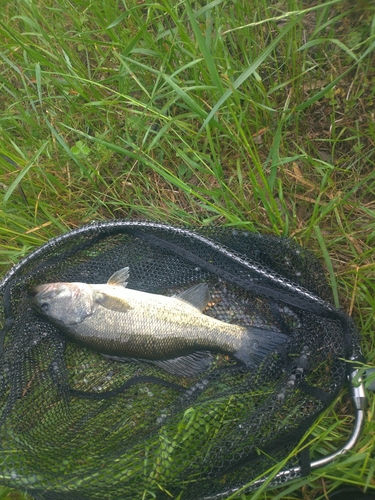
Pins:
x,y
63,303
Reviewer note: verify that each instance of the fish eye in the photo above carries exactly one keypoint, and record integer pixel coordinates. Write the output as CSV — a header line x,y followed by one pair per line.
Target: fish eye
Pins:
x,y
44,306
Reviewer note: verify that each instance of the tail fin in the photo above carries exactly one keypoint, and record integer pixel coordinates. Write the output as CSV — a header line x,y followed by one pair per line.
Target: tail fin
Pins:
x,y
257,345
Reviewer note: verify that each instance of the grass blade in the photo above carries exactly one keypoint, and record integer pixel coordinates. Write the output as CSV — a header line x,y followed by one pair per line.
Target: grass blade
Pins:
x,y
248,72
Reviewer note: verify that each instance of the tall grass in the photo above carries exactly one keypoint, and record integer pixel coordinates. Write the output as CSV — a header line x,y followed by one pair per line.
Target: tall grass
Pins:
x,y
258,115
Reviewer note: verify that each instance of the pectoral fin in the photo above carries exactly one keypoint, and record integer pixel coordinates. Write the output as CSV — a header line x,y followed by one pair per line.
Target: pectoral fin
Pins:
x,y
110,302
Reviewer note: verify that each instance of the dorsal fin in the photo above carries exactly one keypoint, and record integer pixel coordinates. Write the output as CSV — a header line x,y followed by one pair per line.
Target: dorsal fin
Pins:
x,y
197,296
119,278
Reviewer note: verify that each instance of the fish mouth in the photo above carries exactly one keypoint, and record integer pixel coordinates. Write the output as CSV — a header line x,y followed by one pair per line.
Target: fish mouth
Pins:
x,y
42,296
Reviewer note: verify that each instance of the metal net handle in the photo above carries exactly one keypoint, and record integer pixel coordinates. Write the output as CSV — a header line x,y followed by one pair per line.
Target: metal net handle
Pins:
x,y
359,400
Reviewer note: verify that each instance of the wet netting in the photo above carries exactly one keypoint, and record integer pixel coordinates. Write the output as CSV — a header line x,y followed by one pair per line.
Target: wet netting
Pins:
x,y
77,425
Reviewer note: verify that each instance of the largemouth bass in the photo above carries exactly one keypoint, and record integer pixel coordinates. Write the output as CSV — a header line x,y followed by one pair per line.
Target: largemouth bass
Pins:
x,y
171,332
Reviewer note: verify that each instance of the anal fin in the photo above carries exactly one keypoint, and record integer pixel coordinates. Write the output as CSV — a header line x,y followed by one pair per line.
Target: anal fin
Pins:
x,y
185,366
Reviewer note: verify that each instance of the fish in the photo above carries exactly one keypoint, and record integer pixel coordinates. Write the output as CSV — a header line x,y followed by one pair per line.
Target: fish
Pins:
x,y
171,332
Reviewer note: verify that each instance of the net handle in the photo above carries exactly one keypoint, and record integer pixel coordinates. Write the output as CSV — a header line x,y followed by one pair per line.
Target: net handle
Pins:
x,y
359,400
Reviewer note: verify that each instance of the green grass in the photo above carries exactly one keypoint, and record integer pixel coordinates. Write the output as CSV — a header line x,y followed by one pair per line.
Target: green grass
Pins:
x,y
258,115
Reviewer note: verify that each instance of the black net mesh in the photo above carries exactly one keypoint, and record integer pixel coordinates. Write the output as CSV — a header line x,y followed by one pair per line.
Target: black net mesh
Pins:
x,y
77,425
